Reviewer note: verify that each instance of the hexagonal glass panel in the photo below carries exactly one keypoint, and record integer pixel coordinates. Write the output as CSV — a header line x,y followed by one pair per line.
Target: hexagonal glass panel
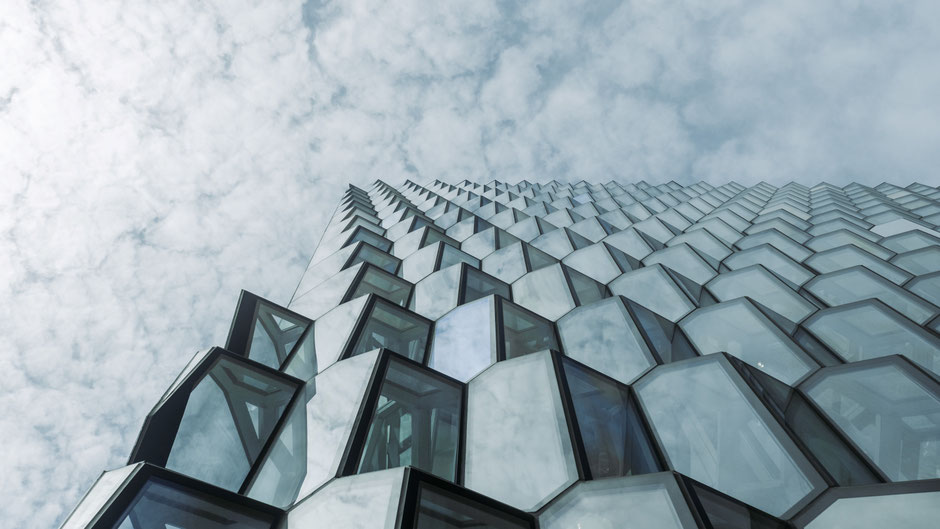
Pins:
x,y
891,413
603,336
715,430
869,329
858,283
518,445
609,425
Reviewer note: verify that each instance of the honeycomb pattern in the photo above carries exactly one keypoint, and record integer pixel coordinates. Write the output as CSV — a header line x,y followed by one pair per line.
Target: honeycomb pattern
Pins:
x,y
569,356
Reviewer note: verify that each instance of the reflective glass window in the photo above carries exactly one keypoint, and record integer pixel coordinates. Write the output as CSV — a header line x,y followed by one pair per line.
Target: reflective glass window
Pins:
x,y
416,422
858,283
892,416
274,335
716,431
763,287
163,504
524,332
651,501
440,509
868,329
913,510
228,418
518,445
611,431
603,336
465,340
393,328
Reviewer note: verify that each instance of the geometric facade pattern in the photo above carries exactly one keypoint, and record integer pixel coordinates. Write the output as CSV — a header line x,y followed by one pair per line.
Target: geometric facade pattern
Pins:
x,y
568,356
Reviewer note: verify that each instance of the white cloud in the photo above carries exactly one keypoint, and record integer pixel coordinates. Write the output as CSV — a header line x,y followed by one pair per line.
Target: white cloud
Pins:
x,y
158,157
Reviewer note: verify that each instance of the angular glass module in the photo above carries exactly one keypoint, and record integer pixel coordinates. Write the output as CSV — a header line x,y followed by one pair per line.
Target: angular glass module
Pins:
x,y
161,504
650,501
394,328
362,501
440,509
911,510
415,422
518,444
738,328
215,423
612,433
603,336
715,430
465,340
870,329
524,332
263,331
888,410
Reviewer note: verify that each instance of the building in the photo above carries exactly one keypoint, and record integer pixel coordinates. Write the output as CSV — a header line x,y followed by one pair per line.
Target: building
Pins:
x,y
568,356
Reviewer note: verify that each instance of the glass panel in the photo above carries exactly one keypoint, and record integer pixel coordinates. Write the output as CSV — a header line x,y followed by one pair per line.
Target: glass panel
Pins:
x,y
739,329
917,510
98,496
854,284
371,254
162,504
614,438
652,287
763,287
716,431
891,416
364,501
518,445
604,336
274,335
725,513
330,417
383,284
282,472
464,340
437,293
416,422
393,328
868,329
334,329
507,264
438,509
228,418
524,332
479,285
544,292
586,290
652,501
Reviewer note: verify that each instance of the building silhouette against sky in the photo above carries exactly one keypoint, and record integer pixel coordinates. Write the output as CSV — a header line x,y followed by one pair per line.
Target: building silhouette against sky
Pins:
x,y
584,356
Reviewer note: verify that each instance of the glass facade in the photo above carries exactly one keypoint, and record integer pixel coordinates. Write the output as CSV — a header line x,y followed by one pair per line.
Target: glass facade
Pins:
x,y
568,356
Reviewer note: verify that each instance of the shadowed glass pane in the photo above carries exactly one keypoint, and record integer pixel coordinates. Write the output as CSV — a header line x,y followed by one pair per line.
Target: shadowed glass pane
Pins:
x,y
393,328
614,439
416,423
524,332
228,418
438,509
161,504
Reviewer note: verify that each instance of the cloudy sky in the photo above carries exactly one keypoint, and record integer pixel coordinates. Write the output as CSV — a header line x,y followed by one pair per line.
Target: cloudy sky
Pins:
x,y
157,157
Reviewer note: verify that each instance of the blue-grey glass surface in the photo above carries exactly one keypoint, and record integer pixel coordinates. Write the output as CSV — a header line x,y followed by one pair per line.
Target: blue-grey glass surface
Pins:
x,y
713,429
893,417
518,445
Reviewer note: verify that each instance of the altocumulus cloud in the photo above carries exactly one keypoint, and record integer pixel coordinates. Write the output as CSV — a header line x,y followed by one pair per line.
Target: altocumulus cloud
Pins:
x,y
156,157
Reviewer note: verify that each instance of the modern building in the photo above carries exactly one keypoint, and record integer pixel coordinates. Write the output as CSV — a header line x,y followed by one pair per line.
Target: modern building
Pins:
x,y
587,356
